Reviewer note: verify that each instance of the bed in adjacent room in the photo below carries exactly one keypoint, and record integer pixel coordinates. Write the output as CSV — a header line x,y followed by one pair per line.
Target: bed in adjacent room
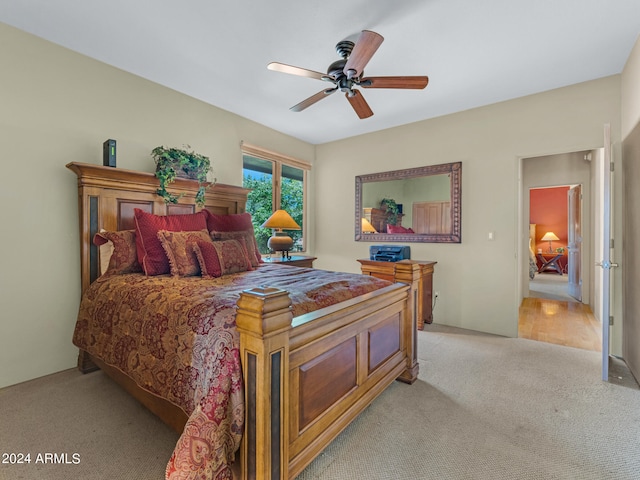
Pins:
x,y
257,366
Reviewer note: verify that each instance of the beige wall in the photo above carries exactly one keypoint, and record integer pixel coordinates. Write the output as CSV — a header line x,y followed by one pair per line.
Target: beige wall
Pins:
x,y
478,280
57,106
630,110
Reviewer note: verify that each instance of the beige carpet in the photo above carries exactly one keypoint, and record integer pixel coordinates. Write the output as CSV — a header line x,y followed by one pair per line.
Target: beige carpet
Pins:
x,y
484,407
550,286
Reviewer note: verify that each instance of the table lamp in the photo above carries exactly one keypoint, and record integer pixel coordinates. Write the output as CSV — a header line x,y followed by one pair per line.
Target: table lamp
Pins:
x,y
550,237
279,242
367,227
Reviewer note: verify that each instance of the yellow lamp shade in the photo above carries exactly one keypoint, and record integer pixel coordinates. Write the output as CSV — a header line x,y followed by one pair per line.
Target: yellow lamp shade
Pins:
x,y
550,237
367,227
280,219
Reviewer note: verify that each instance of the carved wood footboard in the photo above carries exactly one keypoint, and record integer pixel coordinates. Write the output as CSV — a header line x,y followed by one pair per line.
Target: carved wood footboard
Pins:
x,y
307,379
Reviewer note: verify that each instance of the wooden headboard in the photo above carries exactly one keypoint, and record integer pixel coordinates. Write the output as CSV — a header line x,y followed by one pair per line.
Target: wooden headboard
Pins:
x,y
107,197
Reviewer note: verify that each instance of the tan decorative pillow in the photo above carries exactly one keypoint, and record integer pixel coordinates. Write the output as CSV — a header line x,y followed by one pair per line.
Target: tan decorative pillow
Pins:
x,y
178,246
249,240
232,256
235,222
119,250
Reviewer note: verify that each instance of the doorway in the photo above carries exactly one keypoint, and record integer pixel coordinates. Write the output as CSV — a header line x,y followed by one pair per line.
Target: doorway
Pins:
x,y
556,317
550,214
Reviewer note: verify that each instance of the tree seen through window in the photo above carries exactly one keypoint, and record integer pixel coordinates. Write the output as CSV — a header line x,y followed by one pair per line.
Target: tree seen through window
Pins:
x,y
289,195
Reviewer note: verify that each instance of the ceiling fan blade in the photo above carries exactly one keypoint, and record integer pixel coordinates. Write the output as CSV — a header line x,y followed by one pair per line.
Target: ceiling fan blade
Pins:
x,y
365,47
302,72
359,104
313,99
395,82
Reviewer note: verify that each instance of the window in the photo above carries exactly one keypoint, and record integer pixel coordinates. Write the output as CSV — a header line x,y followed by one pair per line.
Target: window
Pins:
x,y
276,182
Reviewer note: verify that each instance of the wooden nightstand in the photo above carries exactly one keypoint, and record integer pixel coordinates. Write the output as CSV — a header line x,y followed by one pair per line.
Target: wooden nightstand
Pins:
x,y
550,262
294,260
386,271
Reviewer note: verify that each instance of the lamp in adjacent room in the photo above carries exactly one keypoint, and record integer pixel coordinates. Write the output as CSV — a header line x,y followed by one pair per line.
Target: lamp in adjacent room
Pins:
x,y
279,242
367,227
550,237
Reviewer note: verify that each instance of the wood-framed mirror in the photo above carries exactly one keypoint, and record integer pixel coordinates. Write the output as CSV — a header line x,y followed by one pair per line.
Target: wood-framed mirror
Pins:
x,y
421,205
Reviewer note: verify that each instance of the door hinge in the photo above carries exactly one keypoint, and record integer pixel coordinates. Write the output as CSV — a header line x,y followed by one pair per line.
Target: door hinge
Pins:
x,y
611,320
611,243
611,167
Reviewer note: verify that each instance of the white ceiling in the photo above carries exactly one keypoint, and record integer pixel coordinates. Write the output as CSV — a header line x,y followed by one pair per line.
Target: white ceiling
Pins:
x,y
474,52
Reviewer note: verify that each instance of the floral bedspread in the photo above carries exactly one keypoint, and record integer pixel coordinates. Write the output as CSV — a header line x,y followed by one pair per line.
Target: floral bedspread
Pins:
x,y
176,338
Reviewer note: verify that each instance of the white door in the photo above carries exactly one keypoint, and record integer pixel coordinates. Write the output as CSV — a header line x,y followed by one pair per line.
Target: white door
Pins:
x,y
606,252
574,244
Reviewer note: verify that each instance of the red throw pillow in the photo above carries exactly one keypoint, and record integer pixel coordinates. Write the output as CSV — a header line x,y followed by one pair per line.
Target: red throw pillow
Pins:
x,y
222,258
236,222
229,223
249,239
123,258
208,259
151,255
396,229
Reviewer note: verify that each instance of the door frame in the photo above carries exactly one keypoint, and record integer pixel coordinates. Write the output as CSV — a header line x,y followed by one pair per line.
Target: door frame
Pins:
x,y
526,212
604,260
572,172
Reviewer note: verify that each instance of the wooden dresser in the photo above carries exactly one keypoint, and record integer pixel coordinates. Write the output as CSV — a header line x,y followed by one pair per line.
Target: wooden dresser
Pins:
x,y
385,270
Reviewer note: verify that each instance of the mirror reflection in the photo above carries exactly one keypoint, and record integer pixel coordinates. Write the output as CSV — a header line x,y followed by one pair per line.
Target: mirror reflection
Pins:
x,y
414,205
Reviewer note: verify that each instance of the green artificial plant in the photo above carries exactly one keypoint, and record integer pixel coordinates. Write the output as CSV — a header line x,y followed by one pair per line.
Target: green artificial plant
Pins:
x,y
176,162
391,209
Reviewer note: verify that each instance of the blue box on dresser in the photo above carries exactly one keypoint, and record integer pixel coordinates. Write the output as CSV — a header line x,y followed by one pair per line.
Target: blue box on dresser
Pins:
x,y
389,253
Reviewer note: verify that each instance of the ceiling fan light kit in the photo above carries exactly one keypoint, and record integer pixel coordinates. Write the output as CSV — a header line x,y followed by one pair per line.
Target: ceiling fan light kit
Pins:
x,y
347,73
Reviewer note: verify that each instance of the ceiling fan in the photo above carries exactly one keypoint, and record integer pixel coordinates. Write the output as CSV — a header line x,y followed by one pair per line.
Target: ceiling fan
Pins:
x,y
347,73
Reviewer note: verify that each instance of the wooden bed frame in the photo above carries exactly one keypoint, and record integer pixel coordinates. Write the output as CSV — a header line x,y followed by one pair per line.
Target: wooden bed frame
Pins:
x,y
355,348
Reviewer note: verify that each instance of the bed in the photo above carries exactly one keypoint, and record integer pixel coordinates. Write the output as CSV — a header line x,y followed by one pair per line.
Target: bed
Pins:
x,y
301,366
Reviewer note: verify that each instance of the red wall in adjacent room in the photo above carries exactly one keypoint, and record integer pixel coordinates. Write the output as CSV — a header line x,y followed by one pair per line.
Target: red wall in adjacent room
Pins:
x,y
548,210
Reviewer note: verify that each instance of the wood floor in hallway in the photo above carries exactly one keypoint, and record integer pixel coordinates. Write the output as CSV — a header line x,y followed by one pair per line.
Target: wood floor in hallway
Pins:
x,y
570,324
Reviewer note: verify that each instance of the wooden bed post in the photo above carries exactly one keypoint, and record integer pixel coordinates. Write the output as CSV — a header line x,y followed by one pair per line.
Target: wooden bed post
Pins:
x,y
264,321
409,273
